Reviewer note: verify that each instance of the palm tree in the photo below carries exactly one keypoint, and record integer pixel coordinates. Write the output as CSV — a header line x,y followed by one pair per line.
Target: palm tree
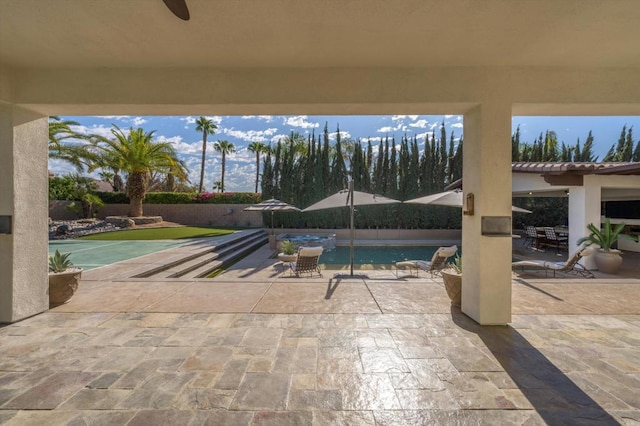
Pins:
x,y
207,127
60,131
224,147
257,148
137,155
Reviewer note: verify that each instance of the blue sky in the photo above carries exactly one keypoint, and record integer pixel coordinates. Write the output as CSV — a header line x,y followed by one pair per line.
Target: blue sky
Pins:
x,y
242,130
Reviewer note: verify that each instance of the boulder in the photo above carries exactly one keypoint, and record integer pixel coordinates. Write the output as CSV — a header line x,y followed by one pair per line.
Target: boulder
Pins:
x,y
120,221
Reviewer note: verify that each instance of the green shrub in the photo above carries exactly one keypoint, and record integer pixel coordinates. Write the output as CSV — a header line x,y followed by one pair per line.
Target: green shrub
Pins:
x,y
59,262
168,198
288,247
184,198
227,198
113,197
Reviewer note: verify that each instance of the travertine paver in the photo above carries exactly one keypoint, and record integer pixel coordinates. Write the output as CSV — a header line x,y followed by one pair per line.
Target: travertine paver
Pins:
x,y
317,368
361,351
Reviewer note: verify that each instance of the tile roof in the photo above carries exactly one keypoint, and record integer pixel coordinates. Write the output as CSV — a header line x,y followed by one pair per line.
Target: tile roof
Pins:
x,y
620,168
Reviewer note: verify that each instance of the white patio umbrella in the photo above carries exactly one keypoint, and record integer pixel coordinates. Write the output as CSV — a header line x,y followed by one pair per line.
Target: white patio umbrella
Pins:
x,y
350,198
452,199
272,206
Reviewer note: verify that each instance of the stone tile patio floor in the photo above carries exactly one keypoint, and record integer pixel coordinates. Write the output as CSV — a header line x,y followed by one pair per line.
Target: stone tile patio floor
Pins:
x,y
257,347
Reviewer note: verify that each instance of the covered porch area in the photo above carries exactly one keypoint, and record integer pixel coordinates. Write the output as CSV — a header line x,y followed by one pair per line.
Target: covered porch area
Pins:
x,y
488,72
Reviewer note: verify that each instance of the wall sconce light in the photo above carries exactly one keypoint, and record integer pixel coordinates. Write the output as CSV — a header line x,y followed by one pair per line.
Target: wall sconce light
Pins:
x,y
468,205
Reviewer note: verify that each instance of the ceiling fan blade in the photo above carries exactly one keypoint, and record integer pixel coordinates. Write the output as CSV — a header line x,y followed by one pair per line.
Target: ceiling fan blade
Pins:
x,y
179,8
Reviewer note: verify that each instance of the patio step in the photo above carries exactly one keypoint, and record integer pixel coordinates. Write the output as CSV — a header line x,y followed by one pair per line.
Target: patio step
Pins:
x,y
201,266
225,260
202,251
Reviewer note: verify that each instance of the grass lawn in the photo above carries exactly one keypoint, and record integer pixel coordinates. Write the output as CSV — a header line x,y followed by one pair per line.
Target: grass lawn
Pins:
x,y
161,233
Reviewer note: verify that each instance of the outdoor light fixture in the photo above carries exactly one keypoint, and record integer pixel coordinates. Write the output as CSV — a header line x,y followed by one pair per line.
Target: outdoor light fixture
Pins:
x,y
468,205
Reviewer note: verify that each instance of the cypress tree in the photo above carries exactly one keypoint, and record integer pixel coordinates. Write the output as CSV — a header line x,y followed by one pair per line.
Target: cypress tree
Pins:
x,y
377,183
338,170
515,145
392,181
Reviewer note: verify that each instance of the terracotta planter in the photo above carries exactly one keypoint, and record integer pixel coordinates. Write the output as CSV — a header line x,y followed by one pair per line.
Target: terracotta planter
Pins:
x,y
608,261
453,285
63,285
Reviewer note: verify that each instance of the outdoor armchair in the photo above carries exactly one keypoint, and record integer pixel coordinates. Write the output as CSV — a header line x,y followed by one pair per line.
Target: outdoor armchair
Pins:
x,y
572,266
437,263
306,262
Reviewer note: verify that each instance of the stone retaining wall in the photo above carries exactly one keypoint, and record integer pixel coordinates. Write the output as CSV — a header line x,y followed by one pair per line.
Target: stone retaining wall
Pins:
x,y
185,214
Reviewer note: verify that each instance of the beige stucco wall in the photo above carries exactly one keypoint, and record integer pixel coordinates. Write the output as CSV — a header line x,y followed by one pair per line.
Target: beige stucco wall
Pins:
x,y
451,90
23,254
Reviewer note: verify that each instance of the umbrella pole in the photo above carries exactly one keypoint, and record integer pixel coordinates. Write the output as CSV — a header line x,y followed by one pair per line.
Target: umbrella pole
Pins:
x,y
272,223
351,225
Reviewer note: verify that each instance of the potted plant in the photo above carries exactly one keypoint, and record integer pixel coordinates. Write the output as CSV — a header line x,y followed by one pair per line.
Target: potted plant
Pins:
x,y
608,259
63,279
452,276
288,253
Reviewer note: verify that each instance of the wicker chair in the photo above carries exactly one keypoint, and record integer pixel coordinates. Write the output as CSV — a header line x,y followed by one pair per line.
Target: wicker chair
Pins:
x,y
306,262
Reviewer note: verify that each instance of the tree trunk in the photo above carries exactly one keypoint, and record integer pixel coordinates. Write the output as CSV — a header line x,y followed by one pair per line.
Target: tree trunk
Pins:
x,y
136,190
257,169
204,157
223,164
135,207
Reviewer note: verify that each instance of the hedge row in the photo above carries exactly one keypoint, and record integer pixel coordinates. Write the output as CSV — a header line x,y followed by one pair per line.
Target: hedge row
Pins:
x,y
184,198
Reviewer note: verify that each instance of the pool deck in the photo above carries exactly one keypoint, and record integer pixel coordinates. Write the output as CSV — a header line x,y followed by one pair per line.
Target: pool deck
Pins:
x,y
255,346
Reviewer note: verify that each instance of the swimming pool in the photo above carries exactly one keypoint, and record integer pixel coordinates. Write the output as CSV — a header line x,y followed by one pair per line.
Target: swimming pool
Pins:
x,y
377,255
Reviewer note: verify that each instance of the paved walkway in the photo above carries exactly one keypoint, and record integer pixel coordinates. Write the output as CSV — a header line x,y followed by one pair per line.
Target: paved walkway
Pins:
x,y
257,347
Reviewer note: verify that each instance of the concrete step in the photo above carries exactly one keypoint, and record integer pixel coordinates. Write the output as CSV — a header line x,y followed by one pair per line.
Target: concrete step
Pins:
x,y
185,268
225,260
198,248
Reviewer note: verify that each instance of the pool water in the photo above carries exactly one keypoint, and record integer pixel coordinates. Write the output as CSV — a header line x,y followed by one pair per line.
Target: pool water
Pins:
x,y
377,255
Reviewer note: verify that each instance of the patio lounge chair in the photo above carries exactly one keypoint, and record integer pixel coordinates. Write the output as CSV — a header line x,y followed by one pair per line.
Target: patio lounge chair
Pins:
x,y
571,266
306,262
437,263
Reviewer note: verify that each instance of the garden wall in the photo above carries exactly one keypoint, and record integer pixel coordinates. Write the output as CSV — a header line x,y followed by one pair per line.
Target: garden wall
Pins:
x,y
185,214
444,236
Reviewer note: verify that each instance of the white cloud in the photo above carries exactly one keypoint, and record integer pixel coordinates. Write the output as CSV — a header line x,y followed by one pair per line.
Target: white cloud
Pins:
x,y
422,124
137,121
386,129
250,135
100,130
402,117
457,125
343,135
299,121
113,117
267,118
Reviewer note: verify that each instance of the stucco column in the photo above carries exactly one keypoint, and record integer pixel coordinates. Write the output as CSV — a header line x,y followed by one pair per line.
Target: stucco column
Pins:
x,y
486,277
23,197
584,208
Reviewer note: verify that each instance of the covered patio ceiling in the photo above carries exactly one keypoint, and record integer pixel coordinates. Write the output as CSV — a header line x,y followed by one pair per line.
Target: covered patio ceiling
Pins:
x,y
364,56
319,34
